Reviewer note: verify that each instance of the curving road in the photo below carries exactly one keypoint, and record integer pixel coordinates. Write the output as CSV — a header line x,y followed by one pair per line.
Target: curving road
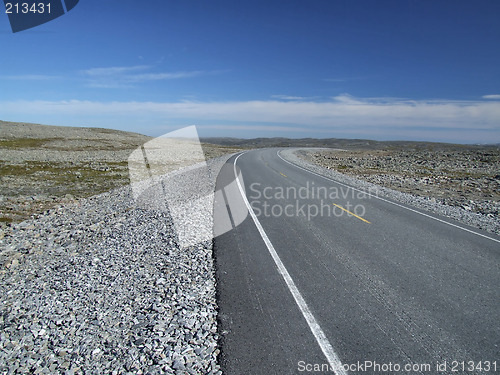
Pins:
x,y
321,277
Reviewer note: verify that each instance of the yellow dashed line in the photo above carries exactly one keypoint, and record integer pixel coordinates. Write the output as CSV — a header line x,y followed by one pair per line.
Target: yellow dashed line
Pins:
x,y
349,212
284,175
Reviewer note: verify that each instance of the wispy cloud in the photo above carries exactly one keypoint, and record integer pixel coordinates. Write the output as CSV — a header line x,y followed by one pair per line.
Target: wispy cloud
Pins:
x,y
114,70
30,77
126,76
497,97
289,97
162,76
343,116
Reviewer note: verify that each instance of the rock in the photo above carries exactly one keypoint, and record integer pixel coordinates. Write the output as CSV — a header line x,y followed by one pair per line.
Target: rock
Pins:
x,y
92,296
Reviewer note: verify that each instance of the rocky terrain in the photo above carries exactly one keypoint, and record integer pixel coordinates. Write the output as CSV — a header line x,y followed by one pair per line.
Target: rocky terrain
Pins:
x,y
98,283
92,282
466,177
102,286
42,166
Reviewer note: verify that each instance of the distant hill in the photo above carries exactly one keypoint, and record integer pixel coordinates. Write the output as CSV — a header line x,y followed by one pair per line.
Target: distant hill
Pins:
x,y
288,142
363,144
95,137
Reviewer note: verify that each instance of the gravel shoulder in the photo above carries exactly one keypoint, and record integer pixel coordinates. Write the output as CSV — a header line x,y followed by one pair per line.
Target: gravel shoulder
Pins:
x,y
102,286
96,283
454,181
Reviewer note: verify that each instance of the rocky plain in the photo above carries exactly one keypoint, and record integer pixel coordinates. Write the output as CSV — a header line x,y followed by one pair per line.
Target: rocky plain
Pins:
x,y
455,175
42,166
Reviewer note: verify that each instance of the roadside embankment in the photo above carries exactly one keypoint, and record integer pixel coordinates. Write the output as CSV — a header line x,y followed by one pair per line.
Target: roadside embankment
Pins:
x,y
102,286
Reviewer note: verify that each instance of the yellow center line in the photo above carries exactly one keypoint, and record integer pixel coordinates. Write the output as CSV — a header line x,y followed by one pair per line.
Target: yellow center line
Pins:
x,y
349,212
284,175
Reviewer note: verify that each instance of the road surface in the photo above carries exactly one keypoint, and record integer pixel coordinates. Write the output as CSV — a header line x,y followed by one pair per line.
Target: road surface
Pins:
x,y
321,278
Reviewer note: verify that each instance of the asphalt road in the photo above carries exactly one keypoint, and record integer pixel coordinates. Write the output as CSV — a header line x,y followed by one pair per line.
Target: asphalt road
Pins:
x,y
306,287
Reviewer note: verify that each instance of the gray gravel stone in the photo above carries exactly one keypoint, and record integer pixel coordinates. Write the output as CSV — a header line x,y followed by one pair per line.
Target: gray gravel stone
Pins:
x,y
101,286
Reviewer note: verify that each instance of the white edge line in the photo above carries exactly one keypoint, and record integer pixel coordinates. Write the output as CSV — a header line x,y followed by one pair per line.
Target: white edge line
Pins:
x,y
326,347
388,201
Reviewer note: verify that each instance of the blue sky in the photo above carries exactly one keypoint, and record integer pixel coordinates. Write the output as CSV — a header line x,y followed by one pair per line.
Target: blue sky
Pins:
x,y
418,70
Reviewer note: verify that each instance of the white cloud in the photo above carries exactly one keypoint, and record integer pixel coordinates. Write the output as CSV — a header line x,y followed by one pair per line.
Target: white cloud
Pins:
x,y
114,70
346,116
125,76
260,128
162,76
97,84
491,96
288,97
29,77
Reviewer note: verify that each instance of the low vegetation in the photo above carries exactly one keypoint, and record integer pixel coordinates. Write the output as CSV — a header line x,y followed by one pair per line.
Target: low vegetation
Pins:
x,y
43,166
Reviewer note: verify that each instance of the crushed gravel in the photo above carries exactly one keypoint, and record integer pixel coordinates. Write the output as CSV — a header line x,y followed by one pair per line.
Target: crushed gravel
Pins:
x,y
102,286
